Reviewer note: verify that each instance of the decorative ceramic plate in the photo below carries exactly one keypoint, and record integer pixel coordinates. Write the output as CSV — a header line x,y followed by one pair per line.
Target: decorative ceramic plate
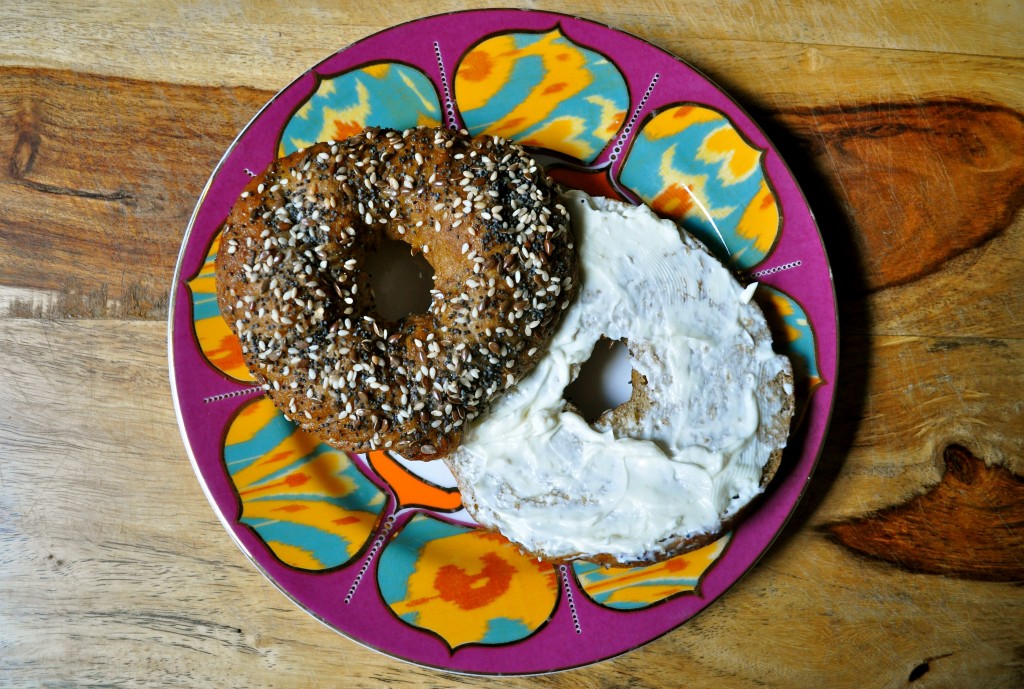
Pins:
x,y
381,550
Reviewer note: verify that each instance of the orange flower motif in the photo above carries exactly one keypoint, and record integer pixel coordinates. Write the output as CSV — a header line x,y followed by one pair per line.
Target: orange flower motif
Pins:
x,y
465,585
410,489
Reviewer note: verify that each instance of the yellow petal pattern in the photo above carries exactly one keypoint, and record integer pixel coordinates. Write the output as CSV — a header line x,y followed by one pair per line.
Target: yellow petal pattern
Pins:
x,y
383,94
689,163
632,588
217,341
542,90
466,585
307,501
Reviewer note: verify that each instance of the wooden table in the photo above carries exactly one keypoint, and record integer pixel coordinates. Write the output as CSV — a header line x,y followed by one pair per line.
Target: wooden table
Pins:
x,y
902,566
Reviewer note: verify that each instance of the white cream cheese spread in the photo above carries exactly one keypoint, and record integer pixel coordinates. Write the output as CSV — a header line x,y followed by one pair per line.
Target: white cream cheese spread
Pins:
x,y
717,404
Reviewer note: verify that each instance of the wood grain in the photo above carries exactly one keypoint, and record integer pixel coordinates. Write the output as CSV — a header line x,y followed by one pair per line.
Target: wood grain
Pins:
x,y
905,399
114,565
101,178
920,182
263,42
970,525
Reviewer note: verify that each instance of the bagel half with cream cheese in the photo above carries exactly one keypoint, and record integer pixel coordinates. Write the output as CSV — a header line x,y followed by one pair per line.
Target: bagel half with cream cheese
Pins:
x,y
673,468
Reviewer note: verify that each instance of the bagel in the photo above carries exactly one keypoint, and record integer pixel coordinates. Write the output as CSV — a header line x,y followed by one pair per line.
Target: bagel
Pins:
x,y
674,467
291,283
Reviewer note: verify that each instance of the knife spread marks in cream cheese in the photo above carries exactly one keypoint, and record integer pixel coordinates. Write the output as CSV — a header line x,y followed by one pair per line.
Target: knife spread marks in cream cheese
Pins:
x,y
720,403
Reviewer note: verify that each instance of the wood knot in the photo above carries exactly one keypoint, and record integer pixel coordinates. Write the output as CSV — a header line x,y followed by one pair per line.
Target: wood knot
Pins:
x,y
962,465
26,143
967,526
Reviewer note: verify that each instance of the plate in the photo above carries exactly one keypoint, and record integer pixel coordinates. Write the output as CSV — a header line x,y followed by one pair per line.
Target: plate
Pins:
x,y
381,550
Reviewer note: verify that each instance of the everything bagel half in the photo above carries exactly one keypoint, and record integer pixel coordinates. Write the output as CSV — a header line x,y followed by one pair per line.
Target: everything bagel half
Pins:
x,y
291,282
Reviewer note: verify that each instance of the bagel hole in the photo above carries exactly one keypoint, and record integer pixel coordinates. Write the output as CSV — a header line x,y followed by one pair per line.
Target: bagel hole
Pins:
x,y
605,380
400,281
